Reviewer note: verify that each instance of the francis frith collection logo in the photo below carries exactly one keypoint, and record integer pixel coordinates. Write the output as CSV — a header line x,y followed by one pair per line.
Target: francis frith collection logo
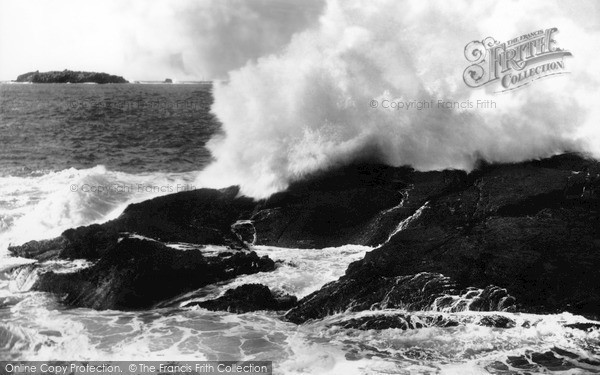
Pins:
x,y
514,63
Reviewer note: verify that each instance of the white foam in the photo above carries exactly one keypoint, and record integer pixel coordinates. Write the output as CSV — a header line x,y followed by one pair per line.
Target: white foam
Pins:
x,y
37,329
42,206
299,272
307,108
406,222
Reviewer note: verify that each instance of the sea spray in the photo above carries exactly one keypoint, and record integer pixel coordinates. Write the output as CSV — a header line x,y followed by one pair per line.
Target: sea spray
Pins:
x,y
40,207
308,108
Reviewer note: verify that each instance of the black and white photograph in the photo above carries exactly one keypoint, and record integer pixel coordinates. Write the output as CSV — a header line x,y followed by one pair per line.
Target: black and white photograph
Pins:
x,y
299,187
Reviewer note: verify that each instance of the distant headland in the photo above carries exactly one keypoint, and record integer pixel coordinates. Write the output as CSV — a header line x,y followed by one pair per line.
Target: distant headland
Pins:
x,y
69,76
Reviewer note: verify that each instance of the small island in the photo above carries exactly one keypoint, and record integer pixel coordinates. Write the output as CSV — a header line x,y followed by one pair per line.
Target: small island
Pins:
x,y
69,76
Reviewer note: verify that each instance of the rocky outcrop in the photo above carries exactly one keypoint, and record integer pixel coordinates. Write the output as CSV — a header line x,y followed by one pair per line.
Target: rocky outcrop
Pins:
x,y
202,216
544,362
397,321
556,360
69,76
249,297
505,237
358,204
529,228
423,291
135,274
497,321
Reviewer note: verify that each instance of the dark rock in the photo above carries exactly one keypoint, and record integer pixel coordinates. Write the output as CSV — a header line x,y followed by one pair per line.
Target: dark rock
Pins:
x,y
40,250
398,321
578,359
526,229
353,205
412,293
497,321
202,216
136,274
549,361
356,204
564,353
248,297
493,298
584,326
497,367
69,76
245,231
82,243
423,291
529,228
521,363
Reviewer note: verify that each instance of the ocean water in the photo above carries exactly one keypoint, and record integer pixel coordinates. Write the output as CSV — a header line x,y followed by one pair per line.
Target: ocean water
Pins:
x,y
74,155
80,153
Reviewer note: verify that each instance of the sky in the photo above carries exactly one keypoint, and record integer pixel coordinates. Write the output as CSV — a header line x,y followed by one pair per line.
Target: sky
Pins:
x,y
146,39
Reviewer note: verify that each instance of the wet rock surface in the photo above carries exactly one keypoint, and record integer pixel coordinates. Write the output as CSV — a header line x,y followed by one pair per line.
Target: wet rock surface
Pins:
x,y
505,237
202,216
398,321
423,291
528,228
497,321
249,297
136,274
